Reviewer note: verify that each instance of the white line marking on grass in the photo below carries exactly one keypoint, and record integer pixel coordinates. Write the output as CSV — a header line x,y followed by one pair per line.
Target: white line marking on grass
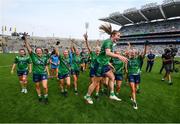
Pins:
x,y
5,66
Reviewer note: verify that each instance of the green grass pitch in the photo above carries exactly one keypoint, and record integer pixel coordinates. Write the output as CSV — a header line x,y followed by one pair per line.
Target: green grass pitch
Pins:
x,y
157,102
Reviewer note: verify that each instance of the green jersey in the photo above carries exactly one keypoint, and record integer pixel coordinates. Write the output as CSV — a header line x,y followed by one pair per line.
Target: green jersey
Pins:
x,y
48,55
86,57
83,56
141,58
76,61
103,59
118,65
64,66
39,63
93,57
134,66
22,62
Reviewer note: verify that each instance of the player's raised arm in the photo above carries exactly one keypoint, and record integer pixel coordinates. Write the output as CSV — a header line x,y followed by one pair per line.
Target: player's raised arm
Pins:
x,y
27,45
145,49
86,42
72,47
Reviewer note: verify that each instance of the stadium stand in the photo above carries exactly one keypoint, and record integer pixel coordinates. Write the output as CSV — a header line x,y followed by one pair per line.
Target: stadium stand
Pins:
x,y
159,24
11,44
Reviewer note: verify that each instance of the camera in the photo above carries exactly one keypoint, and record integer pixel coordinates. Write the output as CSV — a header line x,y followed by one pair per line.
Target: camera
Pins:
x,y
57,43
171,50
22,35
167,51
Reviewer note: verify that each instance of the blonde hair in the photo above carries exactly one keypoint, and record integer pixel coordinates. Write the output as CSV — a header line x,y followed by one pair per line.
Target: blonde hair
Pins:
x,y
97,48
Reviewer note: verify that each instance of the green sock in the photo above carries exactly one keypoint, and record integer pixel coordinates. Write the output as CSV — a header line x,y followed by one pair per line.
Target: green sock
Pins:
x,y
87,95
112,93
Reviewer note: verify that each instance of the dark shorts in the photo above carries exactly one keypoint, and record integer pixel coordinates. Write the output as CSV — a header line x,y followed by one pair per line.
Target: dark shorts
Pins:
x,y
119,77
39,77
63,76
101,70
92,72
168,68
134,79
21,73
75,72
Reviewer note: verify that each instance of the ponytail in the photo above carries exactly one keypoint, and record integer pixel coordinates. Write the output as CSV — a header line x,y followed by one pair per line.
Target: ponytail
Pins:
x,y
107,28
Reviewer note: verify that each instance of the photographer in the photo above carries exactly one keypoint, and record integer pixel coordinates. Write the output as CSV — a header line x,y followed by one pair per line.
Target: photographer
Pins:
x,y
174,50
162,67
167,62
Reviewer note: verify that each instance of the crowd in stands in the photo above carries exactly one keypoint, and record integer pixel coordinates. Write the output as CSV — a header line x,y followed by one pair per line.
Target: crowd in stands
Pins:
x,y
13,44
158,50
153,27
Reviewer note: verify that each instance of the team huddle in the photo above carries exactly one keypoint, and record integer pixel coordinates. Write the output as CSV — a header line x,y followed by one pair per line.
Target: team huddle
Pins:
x,y
107,66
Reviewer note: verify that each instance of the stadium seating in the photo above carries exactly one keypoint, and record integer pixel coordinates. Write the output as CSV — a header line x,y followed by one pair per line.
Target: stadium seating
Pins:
x,y
154,27
12,43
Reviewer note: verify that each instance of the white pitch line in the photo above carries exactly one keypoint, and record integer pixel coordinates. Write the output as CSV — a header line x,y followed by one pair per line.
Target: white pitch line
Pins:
x,y
5,66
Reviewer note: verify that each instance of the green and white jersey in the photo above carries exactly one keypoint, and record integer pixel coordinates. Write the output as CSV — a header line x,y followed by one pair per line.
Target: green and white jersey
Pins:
x,y
39,63
86,57
103,59
22,62
47,55
134,66
93,58
76,61
118,65
64,66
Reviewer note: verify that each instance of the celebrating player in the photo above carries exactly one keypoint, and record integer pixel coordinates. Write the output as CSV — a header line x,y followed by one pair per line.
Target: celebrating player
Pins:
x,y
102,63
76,60
119,66
93,56
64,71
54,61
133,70
40,70
22,61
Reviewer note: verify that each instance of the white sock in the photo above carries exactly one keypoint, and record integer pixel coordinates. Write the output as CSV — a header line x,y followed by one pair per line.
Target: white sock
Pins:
x,y
46,95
